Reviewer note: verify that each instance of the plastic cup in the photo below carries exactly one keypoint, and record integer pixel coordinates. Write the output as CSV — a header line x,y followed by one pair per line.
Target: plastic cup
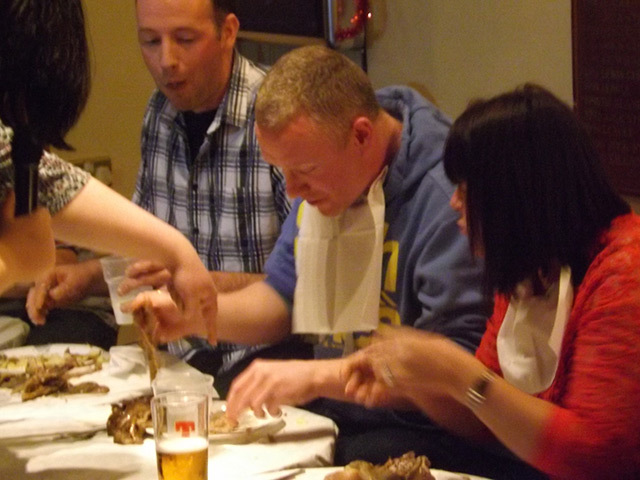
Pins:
x,y
190,381
181,433
113,268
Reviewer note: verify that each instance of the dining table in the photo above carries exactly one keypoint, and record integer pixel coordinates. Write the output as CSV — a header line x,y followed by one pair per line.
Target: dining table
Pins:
x,y
65,437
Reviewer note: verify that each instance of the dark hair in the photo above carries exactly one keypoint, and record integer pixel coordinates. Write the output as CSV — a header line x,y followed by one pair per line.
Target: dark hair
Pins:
x,y
222,8
537,196
44,67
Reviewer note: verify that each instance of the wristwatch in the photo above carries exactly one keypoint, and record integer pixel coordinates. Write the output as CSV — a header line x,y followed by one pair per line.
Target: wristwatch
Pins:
x,y
476,394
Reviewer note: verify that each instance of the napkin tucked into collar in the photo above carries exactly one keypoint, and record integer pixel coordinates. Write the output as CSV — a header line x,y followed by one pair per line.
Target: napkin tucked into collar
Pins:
x,y
339,265
530,338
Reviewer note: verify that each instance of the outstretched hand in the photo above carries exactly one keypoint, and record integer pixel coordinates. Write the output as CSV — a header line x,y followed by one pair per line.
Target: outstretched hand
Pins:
x,y
265,385
143,273
186,305
402,363
62,286
165,320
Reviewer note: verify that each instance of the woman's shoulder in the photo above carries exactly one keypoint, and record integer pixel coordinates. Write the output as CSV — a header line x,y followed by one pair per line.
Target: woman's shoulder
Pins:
x,y
612,281
624,229
620,244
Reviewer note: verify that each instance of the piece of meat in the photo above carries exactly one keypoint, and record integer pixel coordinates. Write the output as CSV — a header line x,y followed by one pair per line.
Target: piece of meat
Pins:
x,y
129,420
13,380
410,467
85,387
148,347
220,423
44,382
54,380
406,467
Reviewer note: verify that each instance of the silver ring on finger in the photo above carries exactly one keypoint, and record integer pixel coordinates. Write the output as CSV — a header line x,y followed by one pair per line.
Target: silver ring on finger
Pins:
x,y
387,375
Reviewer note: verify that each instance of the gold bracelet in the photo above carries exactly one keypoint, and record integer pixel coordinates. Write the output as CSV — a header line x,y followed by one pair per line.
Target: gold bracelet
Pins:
x,y
476,394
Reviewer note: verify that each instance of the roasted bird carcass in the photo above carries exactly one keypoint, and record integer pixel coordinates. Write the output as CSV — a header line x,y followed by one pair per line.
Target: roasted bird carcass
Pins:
x,y
54,379
406,467
129,420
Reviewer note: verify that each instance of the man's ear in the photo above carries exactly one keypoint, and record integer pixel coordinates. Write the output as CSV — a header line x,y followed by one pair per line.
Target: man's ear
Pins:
x,y
229,31
362,129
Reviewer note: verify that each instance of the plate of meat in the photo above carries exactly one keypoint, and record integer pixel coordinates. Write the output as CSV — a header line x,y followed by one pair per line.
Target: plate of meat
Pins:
x,y
406,467
249,428
37,371
60,389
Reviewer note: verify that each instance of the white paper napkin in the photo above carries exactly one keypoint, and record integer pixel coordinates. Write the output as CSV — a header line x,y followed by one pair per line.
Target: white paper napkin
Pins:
x,y
339,266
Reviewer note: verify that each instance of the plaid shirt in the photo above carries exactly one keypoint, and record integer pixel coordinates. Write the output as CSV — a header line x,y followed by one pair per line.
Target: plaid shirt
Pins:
x,y
229,202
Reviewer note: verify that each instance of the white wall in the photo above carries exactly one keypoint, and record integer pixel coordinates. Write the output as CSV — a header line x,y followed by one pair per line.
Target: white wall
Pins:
x,y
461,49
110,124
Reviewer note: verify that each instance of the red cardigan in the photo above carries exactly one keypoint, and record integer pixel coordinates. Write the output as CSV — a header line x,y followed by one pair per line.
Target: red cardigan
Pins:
x,y
594,433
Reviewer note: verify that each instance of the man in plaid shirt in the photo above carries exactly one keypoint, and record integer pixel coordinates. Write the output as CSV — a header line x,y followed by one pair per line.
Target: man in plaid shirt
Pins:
x,y
201,169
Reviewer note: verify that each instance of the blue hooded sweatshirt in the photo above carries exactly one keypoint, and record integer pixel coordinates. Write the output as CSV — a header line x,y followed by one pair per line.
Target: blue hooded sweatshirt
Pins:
x,y
429,280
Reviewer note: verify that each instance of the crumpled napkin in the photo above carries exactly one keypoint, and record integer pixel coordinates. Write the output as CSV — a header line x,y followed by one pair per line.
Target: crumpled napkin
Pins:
x,y
13,332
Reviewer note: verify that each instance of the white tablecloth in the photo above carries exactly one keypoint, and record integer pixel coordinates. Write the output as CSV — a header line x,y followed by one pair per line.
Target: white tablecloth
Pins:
x,y
307,440
305,444
126,375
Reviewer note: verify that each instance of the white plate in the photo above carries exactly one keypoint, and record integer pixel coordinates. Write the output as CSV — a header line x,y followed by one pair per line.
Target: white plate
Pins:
x,y
250,428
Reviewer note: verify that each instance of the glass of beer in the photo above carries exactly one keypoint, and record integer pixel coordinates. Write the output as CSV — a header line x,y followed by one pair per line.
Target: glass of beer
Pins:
x,y
181,431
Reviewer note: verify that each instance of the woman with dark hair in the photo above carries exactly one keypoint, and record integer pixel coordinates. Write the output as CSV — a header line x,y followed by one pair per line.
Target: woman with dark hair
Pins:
x,y
44,68
44,83
556,379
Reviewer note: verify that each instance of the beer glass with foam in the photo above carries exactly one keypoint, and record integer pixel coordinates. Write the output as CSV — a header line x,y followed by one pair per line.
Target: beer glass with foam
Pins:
x,y
181,431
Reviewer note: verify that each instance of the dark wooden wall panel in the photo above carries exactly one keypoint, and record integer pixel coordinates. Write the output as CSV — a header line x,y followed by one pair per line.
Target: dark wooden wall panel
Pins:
x,y
606,83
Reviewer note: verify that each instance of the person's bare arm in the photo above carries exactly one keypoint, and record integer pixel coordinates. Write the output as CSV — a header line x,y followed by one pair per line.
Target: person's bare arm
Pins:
x,y
26,245
100,219
103,220
435,374
253,315
146,272
232,281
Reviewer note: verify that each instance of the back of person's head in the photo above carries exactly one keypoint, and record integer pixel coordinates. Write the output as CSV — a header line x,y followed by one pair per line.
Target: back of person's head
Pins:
x,y
318,82
537,196
44,67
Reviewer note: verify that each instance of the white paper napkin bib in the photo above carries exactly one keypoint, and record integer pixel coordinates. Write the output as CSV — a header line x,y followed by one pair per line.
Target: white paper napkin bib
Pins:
x,y
530,338
339,267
